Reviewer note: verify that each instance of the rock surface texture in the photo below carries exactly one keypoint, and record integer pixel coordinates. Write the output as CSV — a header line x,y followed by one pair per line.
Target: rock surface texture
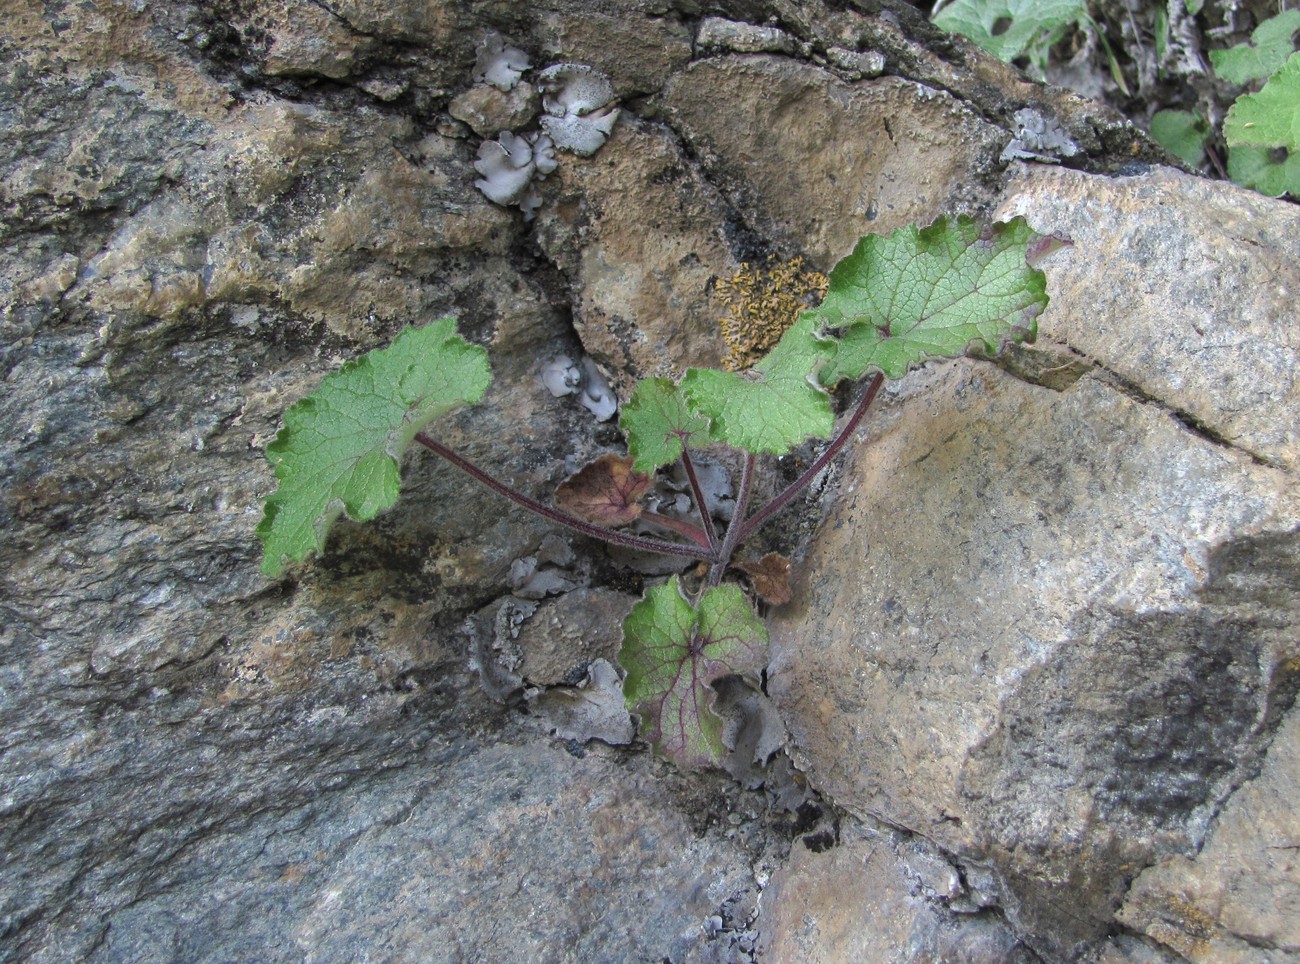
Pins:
x,y
1043,656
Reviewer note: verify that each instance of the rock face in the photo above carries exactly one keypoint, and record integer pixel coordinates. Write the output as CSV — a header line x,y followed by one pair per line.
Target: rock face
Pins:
x,y
1052,629
788,135
878,896
1063,676
1241,892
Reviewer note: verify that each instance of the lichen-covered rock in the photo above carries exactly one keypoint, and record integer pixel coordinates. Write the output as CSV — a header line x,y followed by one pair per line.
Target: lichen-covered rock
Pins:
x,y
207,206
640,233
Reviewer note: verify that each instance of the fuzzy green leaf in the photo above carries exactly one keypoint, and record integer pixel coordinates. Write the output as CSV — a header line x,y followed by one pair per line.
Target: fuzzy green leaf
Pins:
x,y
931,292
1011,28
1270,45
1182,134
1263,170
672,652
658,424
777,406
341,447
1270,118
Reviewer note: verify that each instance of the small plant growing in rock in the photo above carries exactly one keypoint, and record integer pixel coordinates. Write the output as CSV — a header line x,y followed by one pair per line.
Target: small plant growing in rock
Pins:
x,y
893,303
1262,127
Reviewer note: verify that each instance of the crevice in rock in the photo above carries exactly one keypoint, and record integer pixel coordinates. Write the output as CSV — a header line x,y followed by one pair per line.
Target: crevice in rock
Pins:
x,y
1189,420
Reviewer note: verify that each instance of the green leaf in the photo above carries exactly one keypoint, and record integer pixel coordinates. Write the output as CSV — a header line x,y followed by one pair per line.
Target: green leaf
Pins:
x,y
1011,28
777,406
1194,6
1182,134
658,423
1269,170
931,292
341,447
1161,30
1270,118
1270,45
672,652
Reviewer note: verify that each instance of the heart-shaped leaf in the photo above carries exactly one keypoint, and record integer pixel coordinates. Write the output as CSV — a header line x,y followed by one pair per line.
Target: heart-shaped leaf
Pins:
x,y
930,292
658,424
1270,45
341,447
780,405
672,652
1270,118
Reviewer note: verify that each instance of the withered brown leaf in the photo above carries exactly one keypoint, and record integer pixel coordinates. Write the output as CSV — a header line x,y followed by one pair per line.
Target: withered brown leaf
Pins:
x,y
771,577
606,492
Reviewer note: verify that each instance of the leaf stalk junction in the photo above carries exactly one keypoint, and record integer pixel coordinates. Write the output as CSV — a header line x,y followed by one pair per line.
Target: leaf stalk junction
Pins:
x,y
705,545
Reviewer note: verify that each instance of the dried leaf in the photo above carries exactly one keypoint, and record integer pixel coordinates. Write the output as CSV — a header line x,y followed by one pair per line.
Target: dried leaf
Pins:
x,y
771,576
606,492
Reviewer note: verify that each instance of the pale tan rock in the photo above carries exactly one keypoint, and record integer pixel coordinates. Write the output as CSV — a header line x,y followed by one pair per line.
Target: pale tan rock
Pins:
x,y
1238,899
640,234
489,111
1184,287
863,901
817,162
309,40
416,21
1025,632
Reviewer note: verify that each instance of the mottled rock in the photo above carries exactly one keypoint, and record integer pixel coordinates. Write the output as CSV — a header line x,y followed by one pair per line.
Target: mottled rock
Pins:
x,y
489,111
207,206
640,234
1238,899
716,33
1064,659
815,162
503,852
864,900
566,633
309,40
638,45
1198,305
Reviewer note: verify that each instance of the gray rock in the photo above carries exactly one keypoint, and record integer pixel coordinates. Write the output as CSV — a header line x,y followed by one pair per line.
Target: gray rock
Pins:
x,y
1064,659
1238,899
592,710
716,34
861,901
1198,309
521,852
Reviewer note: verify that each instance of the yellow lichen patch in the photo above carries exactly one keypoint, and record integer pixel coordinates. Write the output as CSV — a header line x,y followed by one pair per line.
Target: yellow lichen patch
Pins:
x,y
764,302
1183,926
